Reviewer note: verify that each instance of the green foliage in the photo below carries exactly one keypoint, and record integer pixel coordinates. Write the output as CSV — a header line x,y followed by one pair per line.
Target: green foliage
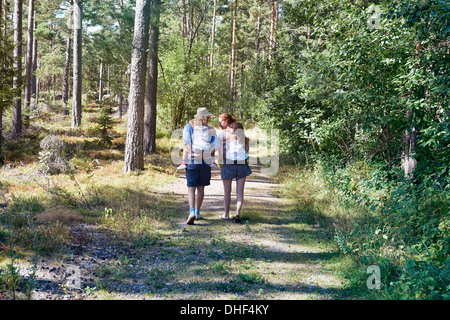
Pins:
x,y
24,206
187,84
343,95
105,121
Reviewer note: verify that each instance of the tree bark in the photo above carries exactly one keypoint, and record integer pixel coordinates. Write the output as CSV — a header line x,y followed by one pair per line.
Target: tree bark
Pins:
x,y
65,93
77,63
213,34
1,62
16,130
1,131
29,60
233,58
100,84
34,68
152,83
134,155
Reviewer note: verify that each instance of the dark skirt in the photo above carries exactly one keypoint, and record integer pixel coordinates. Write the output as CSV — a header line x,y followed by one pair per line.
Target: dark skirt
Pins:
x,y
235,170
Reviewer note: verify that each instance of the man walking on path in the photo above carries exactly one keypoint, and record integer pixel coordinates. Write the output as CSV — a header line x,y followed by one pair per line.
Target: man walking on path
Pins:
x,y
200,141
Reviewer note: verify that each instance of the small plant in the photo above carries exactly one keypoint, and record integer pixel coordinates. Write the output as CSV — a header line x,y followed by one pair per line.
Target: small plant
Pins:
x,y
9,276
219,267
252,277
105,121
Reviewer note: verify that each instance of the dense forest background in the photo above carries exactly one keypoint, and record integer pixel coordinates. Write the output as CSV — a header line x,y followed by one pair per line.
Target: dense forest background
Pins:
x,y
358,92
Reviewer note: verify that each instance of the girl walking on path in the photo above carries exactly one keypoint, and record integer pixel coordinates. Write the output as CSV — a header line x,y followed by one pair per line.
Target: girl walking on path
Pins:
x,y
235,166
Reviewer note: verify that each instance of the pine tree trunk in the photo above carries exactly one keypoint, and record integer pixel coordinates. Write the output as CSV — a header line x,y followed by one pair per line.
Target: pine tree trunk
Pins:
x,y
152,83
213,34
65,93
258,35
2,65
100,84
16,130
34,68
134,155
120,102
77,63
233,58
29,60
1,130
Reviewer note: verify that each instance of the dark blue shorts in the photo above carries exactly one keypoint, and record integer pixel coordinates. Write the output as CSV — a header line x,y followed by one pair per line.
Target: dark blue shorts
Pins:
x,y
235,171
198,174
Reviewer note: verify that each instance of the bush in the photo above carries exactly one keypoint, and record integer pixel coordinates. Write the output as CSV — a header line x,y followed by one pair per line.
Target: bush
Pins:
x,y
409,238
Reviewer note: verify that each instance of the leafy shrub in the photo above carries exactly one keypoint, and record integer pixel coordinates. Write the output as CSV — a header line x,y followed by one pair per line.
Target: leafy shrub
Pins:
x,y
21,210
45,239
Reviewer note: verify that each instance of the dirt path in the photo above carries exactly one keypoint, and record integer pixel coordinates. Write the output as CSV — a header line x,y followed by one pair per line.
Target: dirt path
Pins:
x,y
271,255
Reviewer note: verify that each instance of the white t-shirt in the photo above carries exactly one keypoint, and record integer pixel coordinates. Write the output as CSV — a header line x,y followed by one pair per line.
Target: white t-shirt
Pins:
x,y
235,150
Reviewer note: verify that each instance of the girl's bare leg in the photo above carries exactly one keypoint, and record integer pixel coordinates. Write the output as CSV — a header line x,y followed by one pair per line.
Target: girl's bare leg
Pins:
x,y
239,196
227,196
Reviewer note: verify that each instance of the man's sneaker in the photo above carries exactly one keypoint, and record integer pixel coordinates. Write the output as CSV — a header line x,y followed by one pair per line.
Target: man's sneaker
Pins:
x,y
191,217
197,214
214,166
190,220
182,166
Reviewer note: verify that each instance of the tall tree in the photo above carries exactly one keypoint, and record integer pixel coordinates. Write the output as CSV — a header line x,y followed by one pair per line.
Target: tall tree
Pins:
x,y
16,130
100,82
152,82
5,74
77,62
65,90
134,155
34,68
29,59
233,57
213,34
